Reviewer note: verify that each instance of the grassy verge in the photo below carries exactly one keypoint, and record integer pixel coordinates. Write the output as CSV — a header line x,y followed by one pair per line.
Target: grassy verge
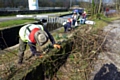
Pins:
x,y
104,21
15,22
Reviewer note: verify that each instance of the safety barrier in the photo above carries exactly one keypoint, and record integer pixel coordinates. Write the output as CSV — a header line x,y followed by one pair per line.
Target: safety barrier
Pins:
x,y
56,20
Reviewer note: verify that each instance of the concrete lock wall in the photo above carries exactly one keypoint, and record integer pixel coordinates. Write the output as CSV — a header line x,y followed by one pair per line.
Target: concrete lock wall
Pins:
x,y
9,36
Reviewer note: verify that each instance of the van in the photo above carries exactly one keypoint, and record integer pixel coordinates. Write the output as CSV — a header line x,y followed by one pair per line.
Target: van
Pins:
x,y
80,11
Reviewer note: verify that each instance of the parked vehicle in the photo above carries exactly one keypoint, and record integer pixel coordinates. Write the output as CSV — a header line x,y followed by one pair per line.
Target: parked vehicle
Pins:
x,y
80,11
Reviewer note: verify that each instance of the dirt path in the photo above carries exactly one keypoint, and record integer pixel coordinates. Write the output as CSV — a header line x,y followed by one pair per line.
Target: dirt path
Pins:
x,y
107,67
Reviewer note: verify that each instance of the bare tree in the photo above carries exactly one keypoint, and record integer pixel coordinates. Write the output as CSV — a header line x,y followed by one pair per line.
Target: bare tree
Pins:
x,y
100,3
117,4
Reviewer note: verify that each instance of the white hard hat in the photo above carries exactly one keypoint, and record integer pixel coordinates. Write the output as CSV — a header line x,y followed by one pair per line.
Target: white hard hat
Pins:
x,y
84,11
41,37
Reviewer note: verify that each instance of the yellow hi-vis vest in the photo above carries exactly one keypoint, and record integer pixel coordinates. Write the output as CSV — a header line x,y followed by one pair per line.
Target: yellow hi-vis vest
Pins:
x,y
24,32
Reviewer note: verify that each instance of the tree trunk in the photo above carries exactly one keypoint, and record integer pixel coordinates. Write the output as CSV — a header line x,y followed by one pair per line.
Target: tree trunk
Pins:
x,y
99,6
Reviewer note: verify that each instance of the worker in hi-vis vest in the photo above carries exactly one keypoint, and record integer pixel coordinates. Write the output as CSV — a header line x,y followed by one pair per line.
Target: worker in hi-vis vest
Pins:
x,y
31,34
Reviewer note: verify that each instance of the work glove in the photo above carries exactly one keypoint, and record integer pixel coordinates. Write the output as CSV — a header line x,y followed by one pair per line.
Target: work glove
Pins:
x,y
39,54
57,46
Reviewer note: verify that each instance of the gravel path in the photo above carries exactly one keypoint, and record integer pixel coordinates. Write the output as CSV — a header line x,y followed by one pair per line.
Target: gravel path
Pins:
x,y
107,67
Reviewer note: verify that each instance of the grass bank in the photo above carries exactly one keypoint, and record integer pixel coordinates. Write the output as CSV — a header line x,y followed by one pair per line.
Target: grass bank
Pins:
x,y
104,21
12,23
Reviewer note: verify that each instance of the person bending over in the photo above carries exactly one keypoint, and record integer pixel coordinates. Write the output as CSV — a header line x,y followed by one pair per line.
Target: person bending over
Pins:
x,y
33,34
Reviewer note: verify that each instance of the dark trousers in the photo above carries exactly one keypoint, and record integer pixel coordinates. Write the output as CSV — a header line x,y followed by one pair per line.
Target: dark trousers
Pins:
x,y
67,27
73,23
22,48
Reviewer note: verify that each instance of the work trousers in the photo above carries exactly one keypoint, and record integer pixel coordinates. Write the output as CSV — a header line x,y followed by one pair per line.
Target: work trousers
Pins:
x,y
67,27
22,48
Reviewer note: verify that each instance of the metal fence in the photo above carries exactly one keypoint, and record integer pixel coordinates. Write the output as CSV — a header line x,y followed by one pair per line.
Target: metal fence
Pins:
x,y
56,20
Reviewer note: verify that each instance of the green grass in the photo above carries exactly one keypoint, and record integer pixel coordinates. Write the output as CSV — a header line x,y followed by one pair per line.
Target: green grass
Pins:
x,y
15,22
104,21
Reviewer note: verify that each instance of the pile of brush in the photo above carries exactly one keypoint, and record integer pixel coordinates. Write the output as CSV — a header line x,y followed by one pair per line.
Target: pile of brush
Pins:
x,y
87,44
